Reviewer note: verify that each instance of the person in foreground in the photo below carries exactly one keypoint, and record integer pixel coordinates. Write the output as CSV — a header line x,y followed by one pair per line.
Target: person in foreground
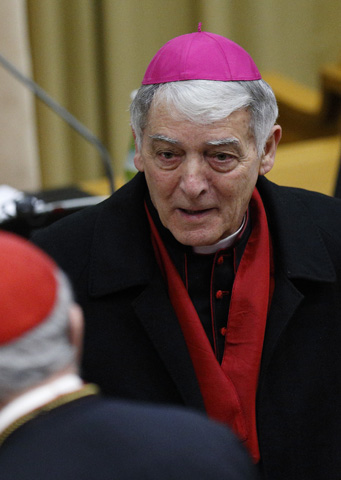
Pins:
x,y
203,283
53,426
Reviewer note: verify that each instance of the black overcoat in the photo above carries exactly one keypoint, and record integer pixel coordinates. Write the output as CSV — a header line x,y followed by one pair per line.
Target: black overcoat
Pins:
x,y
134,347
97,439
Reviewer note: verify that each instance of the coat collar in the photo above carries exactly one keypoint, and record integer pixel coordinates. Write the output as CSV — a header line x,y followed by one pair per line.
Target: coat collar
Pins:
x,y
120,253
298,244
299,254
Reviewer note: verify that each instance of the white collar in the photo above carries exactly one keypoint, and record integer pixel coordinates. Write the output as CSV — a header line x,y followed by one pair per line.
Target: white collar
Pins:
x,y
38,397
222,244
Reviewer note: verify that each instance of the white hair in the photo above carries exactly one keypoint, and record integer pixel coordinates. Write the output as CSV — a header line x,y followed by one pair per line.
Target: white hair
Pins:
x,y
207,101
42,351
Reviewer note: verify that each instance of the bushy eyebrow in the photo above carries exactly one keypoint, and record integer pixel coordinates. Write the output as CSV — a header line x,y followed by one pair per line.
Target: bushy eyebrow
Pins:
x,y
227,142
163,138
224,141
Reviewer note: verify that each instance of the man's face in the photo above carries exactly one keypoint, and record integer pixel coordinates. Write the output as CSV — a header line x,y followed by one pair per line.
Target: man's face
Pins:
x,y
200,177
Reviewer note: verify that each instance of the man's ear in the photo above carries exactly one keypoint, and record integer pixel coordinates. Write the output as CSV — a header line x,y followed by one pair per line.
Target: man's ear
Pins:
x,y
138,162
268,156
76,328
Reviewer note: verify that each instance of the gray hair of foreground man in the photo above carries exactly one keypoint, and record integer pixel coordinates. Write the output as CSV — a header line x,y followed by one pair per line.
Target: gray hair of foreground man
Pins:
x,y
207,101
42,351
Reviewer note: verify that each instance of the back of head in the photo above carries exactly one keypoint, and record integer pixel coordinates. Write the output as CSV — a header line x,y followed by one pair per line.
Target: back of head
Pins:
x,y
35,298
205,77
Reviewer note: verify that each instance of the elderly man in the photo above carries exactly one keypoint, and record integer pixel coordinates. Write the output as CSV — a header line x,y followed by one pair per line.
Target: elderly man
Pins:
x,y
203,283
53,426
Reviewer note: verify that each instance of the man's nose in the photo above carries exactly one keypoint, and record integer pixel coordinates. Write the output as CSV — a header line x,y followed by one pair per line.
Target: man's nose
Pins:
x,y
194,181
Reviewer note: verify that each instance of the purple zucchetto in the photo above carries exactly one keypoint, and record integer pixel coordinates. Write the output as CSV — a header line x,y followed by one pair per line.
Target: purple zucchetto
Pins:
x,y
200,56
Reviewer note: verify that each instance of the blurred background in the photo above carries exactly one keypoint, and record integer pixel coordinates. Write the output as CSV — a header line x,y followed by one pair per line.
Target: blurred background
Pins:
x,y
89,55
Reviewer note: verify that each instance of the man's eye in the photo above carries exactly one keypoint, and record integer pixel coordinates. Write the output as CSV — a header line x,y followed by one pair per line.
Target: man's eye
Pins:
x,y
167,159
221,157
167,155
222,162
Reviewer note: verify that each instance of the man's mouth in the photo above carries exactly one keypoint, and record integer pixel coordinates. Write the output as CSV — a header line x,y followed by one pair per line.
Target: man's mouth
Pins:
x,y
195,212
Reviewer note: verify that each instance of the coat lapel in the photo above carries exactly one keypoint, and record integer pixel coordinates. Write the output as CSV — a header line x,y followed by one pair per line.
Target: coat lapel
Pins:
x,y
285,301
122,257
299,255
121,254
162,326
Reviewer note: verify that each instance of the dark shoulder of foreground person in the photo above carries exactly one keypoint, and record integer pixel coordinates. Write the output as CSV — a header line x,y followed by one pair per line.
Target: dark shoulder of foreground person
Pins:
x,y
104,439
184,444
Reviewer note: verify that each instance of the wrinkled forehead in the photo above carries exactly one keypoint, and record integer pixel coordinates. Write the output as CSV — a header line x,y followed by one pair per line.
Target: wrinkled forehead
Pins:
x,y
168,126
163,111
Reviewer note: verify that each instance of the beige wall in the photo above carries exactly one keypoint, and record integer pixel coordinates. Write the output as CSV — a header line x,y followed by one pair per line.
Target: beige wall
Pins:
x,y
293,37
19,166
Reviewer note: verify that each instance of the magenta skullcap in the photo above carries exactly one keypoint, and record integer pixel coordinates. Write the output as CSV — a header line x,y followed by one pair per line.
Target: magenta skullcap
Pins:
x,y
200,56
